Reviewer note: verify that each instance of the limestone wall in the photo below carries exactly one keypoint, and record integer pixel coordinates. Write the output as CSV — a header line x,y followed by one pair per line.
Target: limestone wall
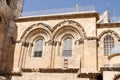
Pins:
x,y
81,29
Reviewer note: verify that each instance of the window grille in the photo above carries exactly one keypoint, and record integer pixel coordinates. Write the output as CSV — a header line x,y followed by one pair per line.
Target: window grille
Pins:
x,y
108,44
38,49
67,47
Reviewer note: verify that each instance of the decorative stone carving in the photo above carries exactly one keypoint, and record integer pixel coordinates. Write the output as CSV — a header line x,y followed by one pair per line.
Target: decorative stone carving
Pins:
x,y
51,42
91,38
117,77
69,22
109,31
51,70
30,27
26,44
59,43
80,41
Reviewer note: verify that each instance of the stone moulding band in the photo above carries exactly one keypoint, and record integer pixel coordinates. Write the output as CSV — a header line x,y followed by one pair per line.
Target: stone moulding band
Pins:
x,y
50,70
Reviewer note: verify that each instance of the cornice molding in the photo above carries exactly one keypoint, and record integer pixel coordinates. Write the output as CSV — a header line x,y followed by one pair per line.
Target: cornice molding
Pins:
x,y
90,75
11,74
108,25
58,16
110,69
51,70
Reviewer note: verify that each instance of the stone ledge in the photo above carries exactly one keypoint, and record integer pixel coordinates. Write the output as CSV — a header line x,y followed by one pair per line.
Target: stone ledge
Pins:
x,y
58,16
51,70
90,75
108,25
110,69
10,73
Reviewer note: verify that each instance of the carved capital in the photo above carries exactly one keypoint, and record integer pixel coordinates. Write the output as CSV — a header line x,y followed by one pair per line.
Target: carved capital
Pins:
x,y
79,41
25,44
51,42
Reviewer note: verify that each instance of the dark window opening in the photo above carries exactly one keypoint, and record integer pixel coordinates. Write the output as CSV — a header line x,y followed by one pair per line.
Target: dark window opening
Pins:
x,y
8,2
0,19
38,54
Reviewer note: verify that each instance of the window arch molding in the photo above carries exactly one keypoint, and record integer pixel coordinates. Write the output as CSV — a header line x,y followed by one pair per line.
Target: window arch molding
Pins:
x,y
33,41
100,36
69,25
40,27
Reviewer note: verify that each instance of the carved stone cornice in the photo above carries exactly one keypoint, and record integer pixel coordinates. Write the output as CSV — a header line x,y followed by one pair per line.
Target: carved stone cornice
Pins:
x,y
109,31
90,75
91,38
110,69
108,25
51,70
59,16
11,73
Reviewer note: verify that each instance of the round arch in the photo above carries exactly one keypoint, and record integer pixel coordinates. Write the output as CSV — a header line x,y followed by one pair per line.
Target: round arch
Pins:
x,y
69,27
35,29
111,32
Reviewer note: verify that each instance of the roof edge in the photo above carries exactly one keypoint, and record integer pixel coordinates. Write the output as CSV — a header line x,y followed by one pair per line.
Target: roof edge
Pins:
x,y
59,16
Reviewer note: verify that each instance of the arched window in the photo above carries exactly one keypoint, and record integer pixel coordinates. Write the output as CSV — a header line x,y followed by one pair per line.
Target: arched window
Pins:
x,y
108,44
67,47
38,49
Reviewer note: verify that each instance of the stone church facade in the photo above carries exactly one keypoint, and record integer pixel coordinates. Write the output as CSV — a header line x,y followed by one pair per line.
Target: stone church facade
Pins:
x,y
71,46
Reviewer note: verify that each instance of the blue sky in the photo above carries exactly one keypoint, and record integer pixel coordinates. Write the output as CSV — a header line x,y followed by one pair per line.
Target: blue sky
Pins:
x,y
100,5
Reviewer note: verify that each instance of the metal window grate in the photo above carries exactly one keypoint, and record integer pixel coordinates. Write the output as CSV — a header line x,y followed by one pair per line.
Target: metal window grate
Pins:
x,y
108,44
